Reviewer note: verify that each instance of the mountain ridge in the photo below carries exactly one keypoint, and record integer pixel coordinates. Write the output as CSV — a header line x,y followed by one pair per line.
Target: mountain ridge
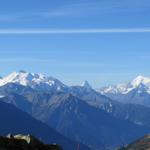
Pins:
x,y
15,121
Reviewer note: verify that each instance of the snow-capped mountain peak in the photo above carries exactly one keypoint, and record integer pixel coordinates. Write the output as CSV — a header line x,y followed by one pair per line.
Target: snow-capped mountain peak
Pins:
x,y
21,77
33,80
140,82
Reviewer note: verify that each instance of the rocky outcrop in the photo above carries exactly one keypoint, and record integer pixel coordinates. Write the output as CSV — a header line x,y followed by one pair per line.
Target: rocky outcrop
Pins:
x,y
24,142
141,144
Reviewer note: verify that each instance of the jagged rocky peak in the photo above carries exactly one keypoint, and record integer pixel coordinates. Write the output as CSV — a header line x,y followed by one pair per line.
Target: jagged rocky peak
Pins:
x,y
86,85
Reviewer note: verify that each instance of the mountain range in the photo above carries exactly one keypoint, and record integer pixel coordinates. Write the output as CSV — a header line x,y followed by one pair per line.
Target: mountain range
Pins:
x,y
100,119
135,92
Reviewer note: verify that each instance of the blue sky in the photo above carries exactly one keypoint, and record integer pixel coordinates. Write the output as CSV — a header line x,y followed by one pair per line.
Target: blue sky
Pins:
x,y
107,43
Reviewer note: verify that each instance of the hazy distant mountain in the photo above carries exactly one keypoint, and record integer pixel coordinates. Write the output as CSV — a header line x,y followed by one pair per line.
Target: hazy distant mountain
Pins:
x,y
136,91
16,121
89,125
89,95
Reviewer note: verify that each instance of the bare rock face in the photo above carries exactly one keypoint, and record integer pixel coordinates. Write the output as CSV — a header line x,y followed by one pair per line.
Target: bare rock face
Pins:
x,y
24,142
141,144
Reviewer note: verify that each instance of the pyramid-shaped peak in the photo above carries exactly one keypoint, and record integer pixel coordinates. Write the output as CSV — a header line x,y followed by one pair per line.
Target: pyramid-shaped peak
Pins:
x,y
86,84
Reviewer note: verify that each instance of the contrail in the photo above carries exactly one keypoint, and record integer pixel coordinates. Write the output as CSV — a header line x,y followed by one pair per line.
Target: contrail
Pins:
x,y
73,31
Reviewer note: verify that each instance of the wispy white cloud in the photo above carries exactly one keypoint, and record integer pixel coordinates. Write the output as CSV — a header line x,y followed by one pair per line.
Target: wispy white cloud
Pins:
x,y
74,31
